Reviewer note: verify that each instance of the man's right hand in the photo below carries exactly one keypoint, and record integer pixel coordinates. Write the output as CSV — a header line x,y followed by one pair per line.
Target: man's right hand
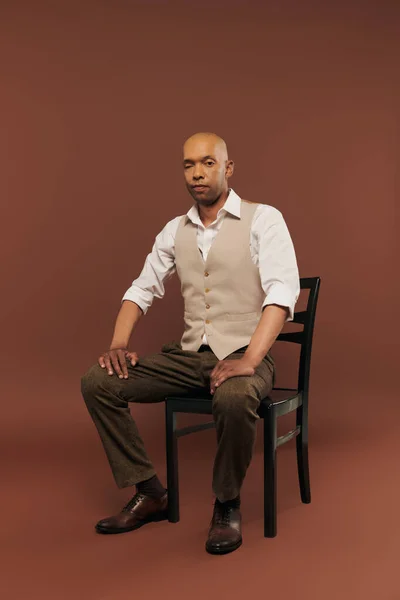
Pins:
x,y
115,361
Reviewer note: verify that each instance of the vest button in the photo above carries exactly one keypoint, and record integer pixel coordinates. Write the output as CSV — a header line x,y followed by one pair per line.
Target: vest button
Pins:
x,y
207,306
208,321
206,274
207,290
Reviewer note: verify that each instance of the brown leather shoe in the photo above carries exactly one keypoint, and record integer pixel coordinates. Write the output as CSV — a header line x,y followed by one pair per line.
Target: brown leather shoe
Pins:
x,y
140,510
225,533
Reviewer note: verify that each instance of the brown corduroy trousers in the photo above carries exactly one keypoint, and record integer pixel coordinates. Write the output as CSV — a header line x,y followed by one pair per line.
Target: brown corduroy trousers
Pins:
x,y
174,371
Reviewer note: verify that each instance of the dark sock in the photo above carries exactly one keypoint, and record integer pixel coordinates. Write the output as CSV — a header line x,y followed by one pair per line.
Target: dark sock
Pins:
x,y
151,487
235,502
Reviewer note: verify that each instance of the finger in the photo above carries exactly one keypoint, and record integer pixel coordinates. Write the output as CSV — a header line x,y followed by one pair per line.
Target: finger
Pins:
x,y
218,382
223,375
101,362
222,369
217,367
218,372
122,362
107,362
214,380
133,357
222,379
115,363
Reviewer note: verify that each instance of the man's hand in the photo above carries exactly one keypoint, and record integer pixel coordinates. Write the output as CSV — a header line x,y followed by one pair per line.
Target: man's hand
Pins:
x,y
230,368
116,359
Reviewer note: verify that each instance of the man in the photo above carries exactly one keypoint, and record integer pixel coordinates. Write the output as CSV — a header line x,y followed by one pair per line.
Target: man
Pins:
x,y
240,283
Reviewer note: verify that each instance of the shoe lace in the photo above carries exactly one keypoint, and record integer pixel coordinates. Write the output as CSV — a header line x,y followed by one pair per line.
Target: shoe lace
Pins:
x,y
133,502
223,515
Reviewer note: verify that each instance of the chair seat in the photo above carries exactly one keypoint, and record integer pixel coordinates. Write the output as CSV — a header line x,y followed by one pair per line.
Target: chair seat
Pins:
x,y
284,400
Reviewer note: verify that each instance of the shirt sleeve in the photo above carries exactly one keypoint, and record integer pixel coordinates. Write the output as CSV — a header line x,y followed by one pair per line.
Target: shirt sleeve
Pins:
x,y
159,266
276,259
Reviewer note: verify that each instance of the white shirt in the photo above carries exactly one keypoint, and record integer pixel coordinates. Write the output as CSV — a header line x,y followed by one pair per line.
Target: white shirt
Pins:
x,y
271,249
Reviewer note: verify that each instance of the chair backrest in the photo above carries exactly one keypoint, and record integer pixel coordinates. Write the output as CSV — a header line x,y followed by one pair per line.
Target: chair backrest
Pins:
x,y
304,337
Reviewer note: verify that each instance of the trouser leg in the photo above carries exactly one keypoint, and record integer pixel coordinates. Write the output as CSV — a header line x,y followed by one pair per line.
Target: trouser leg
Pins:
x,y
235,405
170,372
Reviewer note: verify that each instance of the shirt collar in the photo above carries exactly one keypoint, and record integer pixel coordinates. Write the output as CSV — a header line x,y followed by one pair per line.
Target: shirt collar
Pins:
x,y
231,206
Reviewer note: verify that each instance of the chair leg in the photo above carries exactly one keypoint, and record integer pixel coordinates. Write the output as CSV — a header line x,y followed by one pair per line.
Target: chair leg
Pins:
x,y
270,479
302,456
172,464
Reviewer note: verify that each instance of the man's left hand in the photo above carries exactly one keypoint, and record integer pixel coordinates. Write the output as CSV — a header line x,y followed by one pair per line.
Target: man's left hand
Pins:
x,y
230,368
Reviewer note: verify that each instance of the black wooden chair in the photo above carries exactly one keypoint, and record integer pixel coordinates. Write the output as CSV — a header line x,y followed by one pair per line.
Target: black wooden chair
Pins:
x,y
270,409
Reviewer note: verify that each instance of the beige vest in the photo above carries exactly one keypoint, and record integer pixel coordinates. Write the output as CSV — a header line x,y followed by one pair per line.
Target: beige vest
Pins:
x,y
223,296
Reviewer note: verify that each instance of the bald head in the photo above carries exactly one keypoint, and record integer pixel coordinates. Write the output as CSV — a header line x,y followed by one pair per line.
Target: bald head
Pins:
x,y
207,140
207,167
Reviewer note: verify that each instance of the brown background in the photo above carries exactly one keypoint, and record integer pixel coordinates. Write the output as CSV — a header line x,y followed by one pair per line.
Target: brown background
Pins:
x,y
96,100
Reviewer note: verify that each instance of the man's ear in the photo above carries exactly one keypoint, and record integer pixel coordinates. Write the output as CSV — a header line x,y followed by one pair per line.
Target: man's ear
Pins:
x,y
230,166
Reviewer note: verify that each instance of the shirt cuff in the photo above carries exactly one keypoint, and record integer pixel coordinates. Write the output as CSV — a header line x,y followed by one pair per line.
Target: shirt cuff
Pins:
x,y
281,295
134,297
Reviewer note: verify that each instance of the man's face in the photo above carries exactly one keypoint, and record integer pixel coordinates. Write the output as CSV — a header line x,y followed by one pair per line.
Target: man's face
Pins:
x,y
206,168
